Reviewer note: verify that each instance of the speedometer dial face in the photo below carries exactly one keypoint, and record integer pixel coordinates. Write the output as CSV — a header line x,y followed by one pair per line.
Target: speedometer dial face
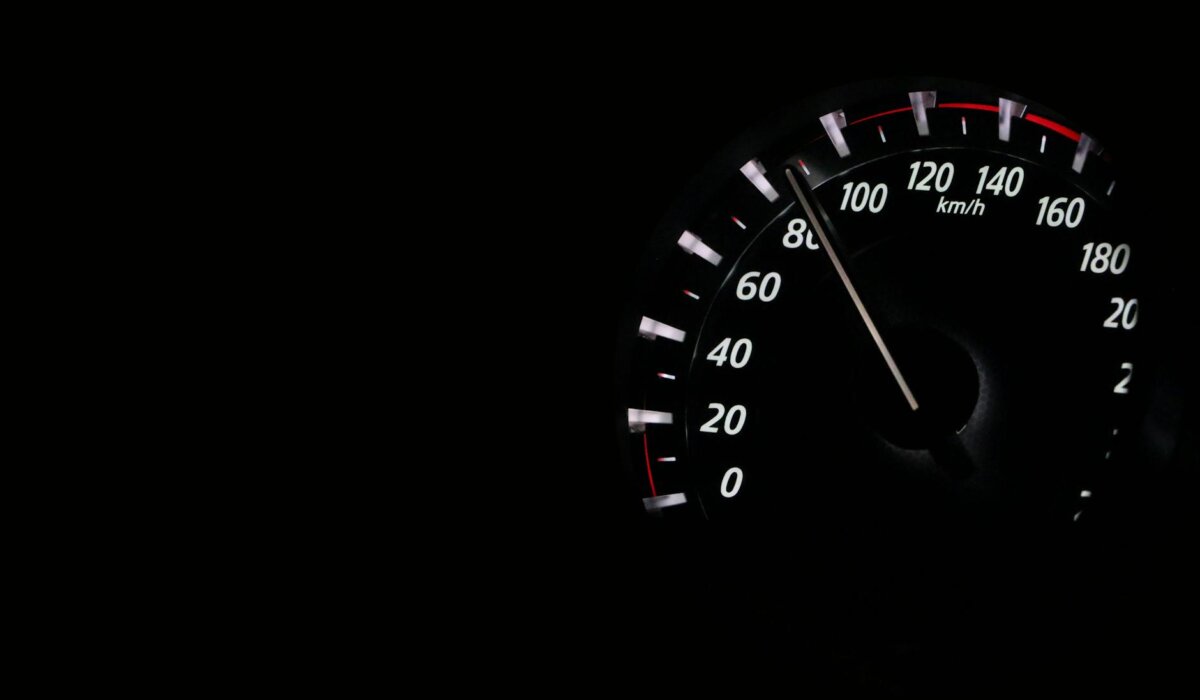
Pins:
x,y
906,299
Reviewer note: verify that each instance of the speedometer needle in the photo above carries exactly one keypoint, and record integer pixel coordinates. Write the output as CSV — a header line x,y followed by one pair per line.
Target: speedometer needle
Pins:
x,y
816,216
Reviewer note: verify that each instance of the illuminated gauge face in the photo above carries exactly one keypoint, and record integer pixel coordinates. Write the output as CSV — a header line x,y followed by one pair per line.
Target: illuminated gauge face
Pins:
x,y
898,301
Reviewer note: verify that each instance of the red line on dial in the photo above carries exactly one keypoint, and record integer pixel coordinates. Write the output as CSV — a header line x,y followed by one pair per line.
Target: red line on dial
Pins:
x,y
649,474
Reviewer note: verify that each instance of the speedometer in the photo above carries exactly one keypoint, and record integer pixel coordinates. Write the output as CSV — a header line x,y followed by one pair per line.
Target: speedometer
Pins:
x,y
898,345
924,288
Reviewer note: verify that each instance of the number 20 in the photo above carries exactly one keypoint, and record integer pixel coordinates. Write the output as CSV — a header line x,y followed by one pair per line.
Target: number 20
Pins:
x,y
1125,315
735,419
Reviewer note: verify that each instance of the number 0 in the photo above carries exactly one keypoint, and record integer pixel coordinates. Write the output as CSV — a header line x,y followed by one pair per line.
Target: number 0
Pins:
x,y
731,483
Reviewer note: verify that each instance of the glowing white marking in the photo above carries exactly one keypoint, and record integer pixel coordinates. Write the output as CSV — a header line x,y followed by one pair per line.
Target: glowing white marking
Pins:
x,y
664,375
920,102
738,222
964,123
1009,109
1043,147
694,246
651,329
881,136
664,501
804,168
1086,145
639,419
1076,518
1111,185
757,175
1108,455
666,459
692,294
1114,431
1085,494
834,122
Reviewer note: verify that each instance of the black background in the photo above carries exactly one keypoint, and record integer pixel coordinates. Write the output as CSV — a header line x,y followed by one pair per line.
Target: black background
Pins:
x,y
609,137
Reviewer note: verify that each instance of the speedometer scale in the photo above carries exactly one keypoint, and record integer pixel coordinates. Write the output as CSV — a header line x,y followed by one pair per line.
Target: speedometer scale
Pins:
x,y
899,303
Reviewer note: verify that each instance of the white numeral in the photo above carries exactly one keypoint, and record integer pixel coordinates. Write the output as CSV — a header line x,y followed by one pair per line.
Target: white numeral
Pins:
x,y
1103,257
1006,181
747,288
798,235
734,419
1054,214
737,358
1125,314
1122,386
731,483
862,196
942,175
